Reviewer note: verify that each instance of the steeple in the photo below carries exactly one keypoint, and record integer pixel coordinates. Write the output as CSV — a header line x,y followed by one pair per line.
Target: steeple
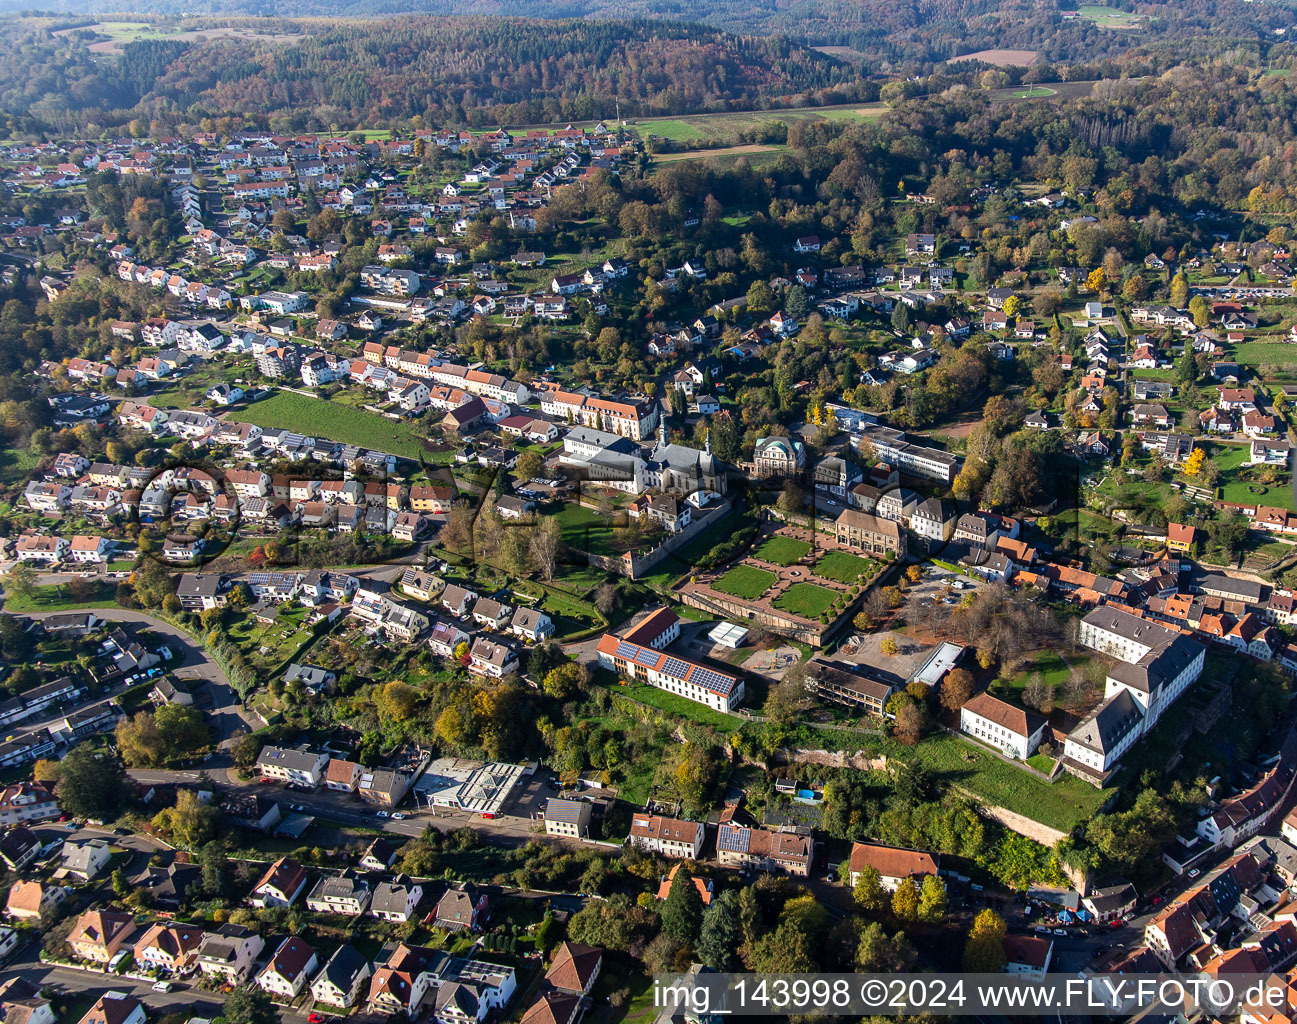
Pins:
x,y
707,443
662,429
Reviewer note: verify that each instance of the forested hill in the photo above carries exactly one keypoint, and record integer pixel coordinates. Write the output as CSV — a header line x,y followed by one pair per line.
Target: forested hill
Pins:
x,y
899,31
475,68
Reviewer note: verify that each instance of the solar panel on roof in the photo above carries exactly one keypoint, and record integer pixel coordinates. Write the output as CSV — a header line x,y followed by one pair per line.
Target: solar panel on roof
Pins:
x,y
711,680
625,650
733,839
647,656
675,667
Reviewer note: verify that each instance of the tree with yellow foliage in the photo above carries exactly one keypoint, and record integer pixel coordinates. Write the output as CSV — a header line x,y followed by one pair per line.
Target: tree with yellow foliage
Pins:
x,y
1096,280
1193,464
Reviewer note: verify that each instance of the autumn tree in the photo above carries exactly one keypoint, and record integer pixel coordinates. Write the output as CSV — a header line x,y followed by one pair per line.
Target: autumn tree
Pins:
x,y
932,899
956,689
905,900
984,950
191,822
868,891
396,700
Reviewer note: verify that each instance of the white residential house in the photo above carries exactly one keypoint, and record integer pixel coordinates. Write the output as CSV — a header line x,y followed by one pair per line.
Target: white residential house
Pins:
x,y
1000,724
532,624
342,978
302,767
289,970
396,900
229,953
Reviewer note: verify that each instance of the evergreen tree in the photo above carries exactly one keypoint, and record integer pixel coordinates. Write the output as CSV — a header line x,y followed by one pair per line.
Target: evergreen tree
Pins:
x,y
682,910
1186,370
750,916
91,785
720,932
901,317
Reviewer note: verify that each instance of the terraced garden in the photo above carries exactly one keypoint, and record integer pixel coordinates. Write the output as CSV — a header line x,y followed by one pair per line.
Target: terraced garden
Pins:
x,y
808,600
746,582
783,550
844,567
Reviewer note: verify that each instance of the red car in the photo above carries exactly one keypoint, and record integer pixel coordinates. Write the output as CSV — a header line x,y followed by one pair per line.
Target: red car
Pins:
x,y
265,779
314,1018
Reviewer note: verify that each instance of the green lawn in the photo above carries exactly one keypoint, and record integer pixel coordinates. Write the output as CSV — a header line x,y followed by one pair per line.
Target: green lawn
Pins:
x,y
55,598
586,531
806,599
16,465
318,417
1051,666
1241,483
682,707
1260,353
1108,17
282,639
745,581
1061,804
783,550
844,567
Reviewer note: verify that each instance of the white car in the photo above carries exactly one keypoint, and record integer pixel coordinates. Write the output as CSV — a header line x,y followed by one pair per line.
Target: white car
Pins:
x,y
398,817
162,986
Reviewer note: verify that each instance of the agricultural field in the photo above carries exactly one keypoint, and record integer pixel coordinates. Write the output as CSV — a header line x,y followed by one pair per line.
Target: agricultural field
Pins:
x,y
1001,58
120,33
1109,17
337,422
746,582
716,130
783,550
809,600
755,153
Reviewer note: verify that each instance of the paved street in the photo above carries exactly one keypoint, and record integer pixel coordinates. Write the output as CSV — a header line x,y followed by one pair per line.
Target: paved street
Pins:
x,y
192,663
514,827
